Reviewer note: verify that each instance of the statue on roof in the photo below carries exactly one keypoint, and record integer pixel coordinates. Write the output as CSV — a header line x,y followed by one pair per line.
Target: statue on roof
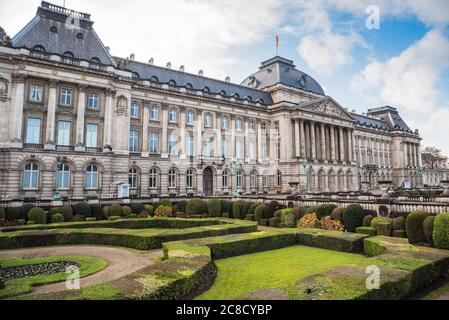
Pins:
x,y
5,40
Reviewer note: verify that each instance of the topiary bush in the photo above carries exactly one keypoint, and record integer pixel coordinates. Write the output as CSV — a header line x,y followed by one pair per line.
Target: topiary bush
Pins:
x,y
67,212
441,231
106,212
366,222
325,209
271,208
298,212
97,211
126,211
337,214
25,209
137,208
253,207
181,206
214,207
414,226
287,218
237,209
194,207
245,208
226,206
82,209
115,210
384,228
352,217
149,209
37,215
399,223
166,202
259,212
163,211
57,218
311,210
428,225
52,212
377,220
13,213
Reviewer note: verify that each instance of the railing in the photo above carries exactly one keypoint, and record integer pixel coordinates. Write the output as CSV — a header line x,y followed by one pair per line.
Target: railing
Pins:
x,y
39,54
93,150
65,148
33,146
71,61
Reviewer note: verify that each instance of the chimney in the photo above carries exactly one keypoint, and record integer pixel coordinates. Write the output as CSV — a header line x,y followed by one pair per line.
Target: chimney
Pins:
x,y
151,61
168,65
132,57
108,49
201,73
182,68
228,79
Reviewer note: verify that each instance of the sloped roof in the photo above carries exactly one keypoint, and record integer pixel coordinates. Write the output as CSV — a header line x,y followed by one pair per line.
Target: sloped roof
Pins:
x,y
391,117
370,122
280,70
183,79
59,30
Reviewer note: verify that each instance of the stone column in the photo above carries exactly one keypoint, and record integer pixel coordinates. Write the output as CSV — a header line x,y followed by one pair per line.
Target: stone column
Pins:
x,y
312,140
406,162
323,143
297,142
303,139
51,114
342,144
419,156
182,132
164,123
145,134
108,121
246,139
218,135
199,133
333,146
80,111
16,110
415,154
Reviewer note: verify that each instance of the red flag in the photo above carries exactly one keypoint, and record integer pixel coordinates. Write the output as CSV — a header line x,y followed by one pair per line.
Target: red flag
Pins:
x,y
277,41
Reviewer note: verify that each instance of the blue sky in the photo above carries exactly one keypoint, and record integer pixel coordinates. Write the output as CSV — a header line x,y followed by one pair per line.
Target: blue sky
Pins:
x,y
404,64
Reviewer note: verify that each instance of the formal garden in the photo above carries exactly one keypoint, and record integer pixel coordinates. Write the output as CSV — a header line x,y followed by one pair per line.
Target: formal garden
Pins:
x,y
220,249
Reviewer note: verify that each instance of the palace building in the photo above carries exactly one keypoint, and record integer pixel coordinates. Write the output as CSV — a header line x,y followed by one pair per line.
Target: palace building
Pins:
x,y
79,121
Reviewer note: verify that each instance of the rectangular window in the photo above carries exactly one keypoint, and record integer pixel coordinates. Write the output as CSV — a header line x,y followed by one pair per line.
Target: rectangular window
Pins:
x,y
154,143
238,149
189,146
63,133
134,112
208,147
189,117
225,179
276,128
66,97
278,151
154,113
264,150
133,141
93,101
91,135
33,134
224,123
224,147
36,93
238,124
172,142
252,151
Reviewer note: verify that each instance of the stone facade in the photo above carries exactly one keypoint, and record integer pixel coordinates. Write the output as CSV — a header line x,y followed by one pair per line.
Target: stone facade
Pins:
x,y
100,122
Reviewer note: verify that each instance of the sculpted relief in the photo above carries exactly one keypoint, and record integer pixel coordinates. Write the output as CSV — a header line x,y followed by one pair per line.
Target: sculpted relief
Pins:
x,y
3,88
329,108
122,106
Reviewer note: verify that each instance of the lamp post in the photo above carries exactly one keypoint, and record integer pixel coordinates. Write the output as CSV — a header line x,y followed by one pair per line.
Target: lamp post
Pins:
x,y
236,167
57,195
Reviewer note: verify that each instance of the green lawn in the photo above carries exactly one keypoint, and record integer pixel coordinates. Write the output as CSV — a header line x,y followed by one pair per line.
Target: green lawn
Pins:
x,y
88,265
245,274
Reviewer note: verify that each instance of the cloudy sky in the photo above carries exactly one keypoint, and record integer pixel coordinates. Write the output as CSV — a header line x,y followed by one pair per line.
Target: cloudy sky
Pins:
x,y
403,63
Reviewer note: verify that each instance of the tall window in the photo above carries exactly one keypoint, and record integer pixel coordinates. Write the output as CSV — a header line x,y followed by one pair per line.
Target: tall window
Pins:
x,y
154,115
133,141
172,115
252,150
172,178
33,130
30,176
253,179
62,176
251,125
238,124
189,178
93,101
225,183
263,128
36,93
134,112
172,142
279,179
153,178
63,133
154,142
207,120
91,135
224,147
224,122
278,151
189,145
189,117
238,149
132,178
208,147
91,178
264,180
264,150
276,127
65,98
239,178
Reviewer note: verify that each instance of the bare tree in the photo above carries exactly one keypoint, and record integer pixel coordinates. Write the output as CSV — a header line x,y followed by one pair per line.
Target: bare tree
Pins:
x,y
433,159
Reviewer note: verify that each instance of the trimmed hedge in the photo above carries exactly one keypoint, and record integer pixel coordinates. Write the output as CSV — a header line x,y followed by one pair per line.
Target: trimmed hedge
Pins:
x,y
115,210
149,208
137,208
367,220
352,217
237,208
324,210
165,202
245,208
399,223
441,231
384,228
82,209
253,207
2,213
428,225
287,219
97,211
14,213
52,212
260,212
214,208
331,240
367,230
399,234
414,226
25,209
271,208
37,215
126,211
298,212
194,207
377,220
67,212
57,218
181,206
337,214
226,206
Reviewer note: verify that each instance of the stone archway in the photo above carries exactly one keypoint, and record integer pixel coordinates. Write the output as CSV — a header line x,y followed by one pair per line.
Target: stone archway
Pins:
x,y
208,181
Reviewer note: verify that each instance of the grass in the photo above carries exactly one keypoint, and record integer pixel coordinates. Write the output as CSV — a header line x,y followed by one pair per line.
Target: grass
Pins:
x,y
241,275
13,287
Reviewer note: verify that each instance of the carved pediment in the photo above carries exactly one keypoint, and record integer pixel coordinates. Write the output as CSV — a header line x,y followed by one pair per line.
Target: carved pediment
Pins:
x,y
329,107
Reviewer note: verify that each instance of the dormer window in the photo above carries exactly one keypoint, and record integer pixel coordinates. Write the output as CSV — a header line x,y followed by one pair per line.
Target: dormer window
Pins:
x,y
68,54
80,36
206,89
154,79
172,83
223,93
53,29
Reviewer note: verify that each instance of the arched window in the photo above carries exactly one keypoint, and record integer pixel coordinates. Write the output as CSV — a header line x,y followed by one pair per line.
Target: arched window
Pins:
x,y
153,178
225,179
172,114
239,178
172,83
62,176
279,179
189,178
30,176
253,179
189,117
95,60
68,54
172,178
132,178
91,177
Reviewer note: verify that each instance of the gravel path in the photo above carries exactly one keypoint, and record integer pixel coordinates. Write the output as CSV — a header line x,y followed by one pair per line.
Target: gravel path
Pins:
x,y
121,262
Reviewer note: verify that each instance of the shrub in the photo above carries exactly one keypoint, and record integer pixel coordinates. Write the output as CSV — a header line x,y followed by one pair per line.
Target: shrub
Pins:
x,y
441,231
79,217
352,217
82,209
375,222
115,210
97,211
163,211
2,213
311,210
181,206
245,208
37,215
250,217
337,214
325,210
137,208
21,222
225,215
428,225
106,212
57,218
112,218
287,218
253,207
24,210
367,220
13,213
52,212
271,208
203,207
166,203
237,209
226,206
327,223
194,206
131,216
273,222
67,212
126,211
214,208
142,215
399,234
298,212
149,208
366,230
384,228
277,214
308,221
259,212
399,223
414,226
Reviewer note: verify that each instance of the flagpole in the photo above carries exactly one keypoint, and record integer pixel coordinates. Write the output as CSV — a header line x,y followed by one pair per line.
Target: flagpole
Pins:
x,y
277,45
